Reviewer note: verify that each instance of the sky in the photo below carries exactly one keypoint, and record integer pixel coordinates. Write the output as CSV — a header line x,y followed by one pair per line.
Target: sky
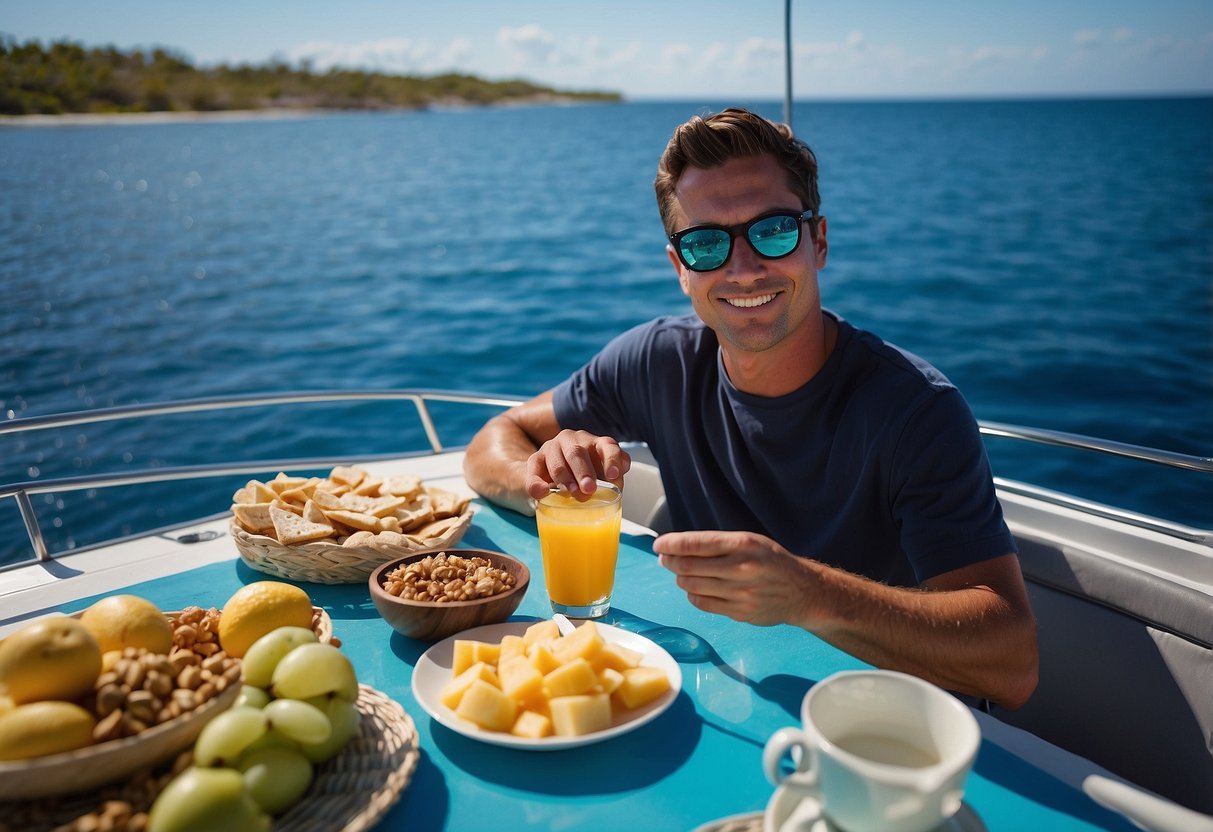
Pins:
x,y
708,49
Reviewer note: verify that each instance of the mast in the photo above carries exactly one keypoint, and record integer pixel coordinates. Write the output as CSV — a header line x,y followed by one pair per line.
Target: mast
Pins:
x,y
787,62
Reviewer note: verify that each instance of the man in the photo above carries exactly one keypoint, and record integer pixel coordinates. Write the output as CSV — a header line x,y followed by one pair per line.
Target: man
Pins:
x,y
822,477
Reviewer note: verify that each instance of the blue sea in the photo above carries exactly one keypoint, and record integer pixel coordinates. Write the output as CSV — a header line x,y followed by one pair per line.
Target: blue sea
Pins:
x,y
1053,258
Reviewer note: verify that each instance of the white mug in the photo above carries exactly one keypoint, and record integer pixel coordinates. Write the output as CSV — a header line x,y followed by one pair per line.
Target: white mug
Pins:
x,y
880,750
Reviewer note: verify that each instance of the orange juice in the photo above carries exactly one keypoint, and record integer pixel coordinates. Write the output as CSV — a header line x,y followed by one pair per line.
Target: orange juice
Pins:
x,y
580,542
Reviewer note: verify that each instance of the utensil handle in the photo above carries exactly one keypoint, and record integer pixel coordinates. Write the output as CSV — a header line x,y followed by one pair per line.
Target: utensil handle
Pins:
x,y
1145,810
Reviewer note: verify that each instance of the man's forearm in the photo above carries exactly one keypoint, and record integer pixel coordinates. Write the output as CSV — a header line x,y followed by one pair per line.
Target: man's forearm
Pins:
x,y
972,639
495,464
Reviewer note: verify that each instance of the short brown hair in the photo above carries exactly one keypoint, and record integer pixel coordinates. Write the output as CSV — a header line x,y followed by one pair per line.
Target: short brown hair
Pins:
x,y
734,134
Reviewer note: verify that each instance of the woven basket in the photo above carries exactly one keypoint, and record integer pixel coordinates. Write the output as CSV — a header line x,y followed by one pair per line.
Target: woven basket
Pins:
x,y
350,793
325,562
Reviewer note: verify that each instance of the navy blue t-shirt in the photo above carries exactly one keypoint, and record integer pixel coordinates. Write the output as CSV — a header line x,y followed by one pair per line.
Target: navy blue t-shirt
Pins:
x,y
874,465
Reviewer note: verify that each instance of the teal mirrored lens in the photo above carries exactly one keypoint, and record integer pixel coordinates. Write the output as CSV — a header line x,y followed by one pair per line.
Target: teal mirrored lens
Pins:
x,y
705,249
774,236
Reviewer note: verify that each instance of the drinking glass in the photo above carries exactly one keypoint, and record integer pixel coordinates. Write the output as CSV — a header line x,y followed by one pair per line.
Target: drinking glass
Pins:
x,y
579,540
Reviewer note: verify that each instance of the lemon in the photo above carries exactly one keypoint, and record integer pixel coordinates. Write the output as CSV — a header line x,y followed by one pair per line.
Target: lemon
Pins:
x,y
44,728
55,658
258,608
121,621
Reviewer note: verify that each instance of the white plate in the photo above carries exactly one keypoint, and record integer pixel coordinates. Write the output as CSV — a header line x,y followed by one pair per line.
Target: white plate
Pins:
x,y
433,671
793,809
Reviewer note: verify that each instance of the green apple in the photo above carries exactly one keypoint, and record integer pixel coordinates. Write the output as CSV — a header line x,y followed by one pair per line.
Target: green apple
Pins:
x,y
276,778
205,800
314,670
265,653
344,717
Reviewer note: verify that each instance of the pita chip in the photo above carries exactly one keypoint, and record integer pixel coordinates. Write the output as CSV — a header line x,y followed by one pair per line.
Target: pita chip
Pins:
x,y
292,528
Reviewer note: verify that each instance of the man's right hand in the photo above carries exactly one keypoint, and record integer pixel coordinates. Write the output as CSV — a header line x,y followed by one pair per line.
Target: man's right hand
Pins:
x,y
575,460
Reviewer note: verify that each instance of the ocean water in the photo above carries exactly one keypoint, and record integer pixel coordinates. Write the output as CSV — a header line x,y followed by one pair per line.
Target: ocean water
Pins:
x,y
1053,258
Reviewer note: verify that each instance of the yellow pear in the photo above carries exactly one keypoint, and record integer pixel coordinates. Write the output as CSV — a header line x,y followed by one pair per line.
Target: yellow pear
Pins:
x,y
39,728
54,658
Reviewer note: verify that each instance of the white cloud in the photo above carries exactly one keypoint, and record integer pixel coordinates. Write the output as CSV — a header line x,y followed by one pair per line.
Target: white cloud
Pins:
x,y
530,44
1088,38
386,55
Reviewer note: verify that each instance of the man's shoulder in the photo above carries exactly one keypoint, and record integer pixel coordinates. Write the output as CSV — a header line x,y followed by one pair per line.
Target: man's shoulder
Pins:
x,y
893,362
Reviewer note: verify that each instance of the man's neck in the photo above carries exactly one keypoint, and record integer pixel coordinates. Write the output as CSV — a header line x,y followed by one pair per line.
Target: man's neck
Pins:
x,y
785,367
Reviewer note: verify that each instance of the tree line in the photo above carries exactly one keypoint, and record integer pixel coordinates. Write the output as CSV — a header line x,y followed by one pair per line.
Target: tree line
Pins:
x,y
67,77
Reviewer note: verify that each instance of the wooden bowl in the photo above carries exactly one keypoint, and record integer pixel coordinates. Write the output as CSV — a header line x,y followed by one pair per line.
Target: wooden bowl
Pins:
x,y
433,620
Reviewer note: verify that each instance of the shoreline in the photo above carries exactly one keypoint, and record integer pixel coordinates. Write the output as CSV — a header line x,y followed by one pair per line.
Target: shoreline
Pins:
x,y
264,114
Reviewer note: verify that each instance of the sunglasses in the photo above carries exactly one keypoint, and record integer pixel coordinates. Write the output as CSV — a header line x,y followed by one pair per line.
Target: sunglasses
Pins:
x,y
703,248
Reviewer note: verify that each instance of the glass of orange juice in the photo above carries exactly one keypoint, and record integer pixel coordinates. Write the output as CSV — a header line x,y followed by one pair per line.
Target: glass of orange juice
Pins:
x,y
580,543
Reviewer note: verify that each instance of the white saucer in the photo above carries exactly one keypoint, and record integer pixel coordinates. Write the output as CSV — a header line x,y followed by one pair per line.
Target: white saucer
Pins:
x,y
789,801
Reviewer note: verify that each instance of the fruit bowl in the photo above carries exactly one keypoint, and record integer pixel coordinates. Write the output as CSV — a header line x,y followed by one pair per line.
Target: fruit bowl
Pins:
x,y
434,620
95,765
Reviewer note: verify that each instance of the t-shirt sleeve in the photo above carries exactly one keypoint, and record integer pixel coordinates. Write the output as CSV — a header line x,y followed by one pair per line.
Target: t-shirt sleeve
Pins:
x,y
942,489
608,396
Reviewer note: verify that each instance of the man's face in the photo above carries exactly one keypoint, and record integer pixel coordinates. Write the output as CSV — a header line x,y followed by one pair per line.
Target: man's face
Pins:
x,y
752,303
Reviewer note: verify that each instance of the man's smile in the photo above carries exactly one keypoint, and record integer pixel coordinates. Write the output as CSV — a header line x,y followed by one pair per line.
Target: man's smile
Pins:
x,y
752,301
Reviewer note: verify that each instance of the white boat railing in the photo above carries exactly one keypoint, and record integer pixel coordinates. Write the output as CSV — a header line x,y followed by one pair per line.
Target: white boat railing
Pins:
x,y
23,491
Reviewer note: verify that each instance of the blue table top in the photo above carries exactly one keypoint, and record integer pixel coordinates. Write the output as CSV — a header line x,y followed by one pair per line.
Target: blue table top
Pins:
x,y
699,761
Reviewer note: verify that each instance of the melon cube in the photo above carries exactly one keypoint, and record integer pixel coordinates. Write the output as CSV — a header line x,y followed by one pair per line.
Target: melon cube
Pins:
x,y
609,679
531,725
573,716
541,631
584,643
617,657
522,682
511,646
453,691
570,679
466,653
642,685
543,660
487,706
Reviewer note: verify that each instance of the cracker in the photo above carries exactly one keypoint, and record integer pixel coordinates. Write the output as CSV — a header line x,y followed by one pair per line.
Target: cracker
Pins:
x,y
375,506
349,475
313,513
437,528
415,513
282,482
326,500
242,496
292,529
253,517
369,487
293,508
260,492
359,539
446,503
355,519
301,494
401,485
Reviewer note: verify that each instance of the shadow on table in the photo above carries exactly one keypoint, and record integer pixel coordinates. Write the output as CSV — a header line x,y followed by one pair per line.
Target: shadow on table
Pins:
x,y
425,803
687,647
645,757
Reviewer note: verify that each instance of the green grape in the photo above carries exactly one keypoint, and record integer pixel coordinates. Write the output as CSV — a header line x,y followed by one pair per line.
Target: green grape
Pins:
x,y
251,697
298,720
314,670
276,778
204,800
270,739
263,656
345,719
224,738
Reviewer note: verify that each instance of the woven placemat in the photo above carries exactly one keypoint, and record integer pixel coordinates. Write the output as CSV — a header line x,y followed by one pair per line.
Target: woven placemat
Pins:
x,y
351,792
327,562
